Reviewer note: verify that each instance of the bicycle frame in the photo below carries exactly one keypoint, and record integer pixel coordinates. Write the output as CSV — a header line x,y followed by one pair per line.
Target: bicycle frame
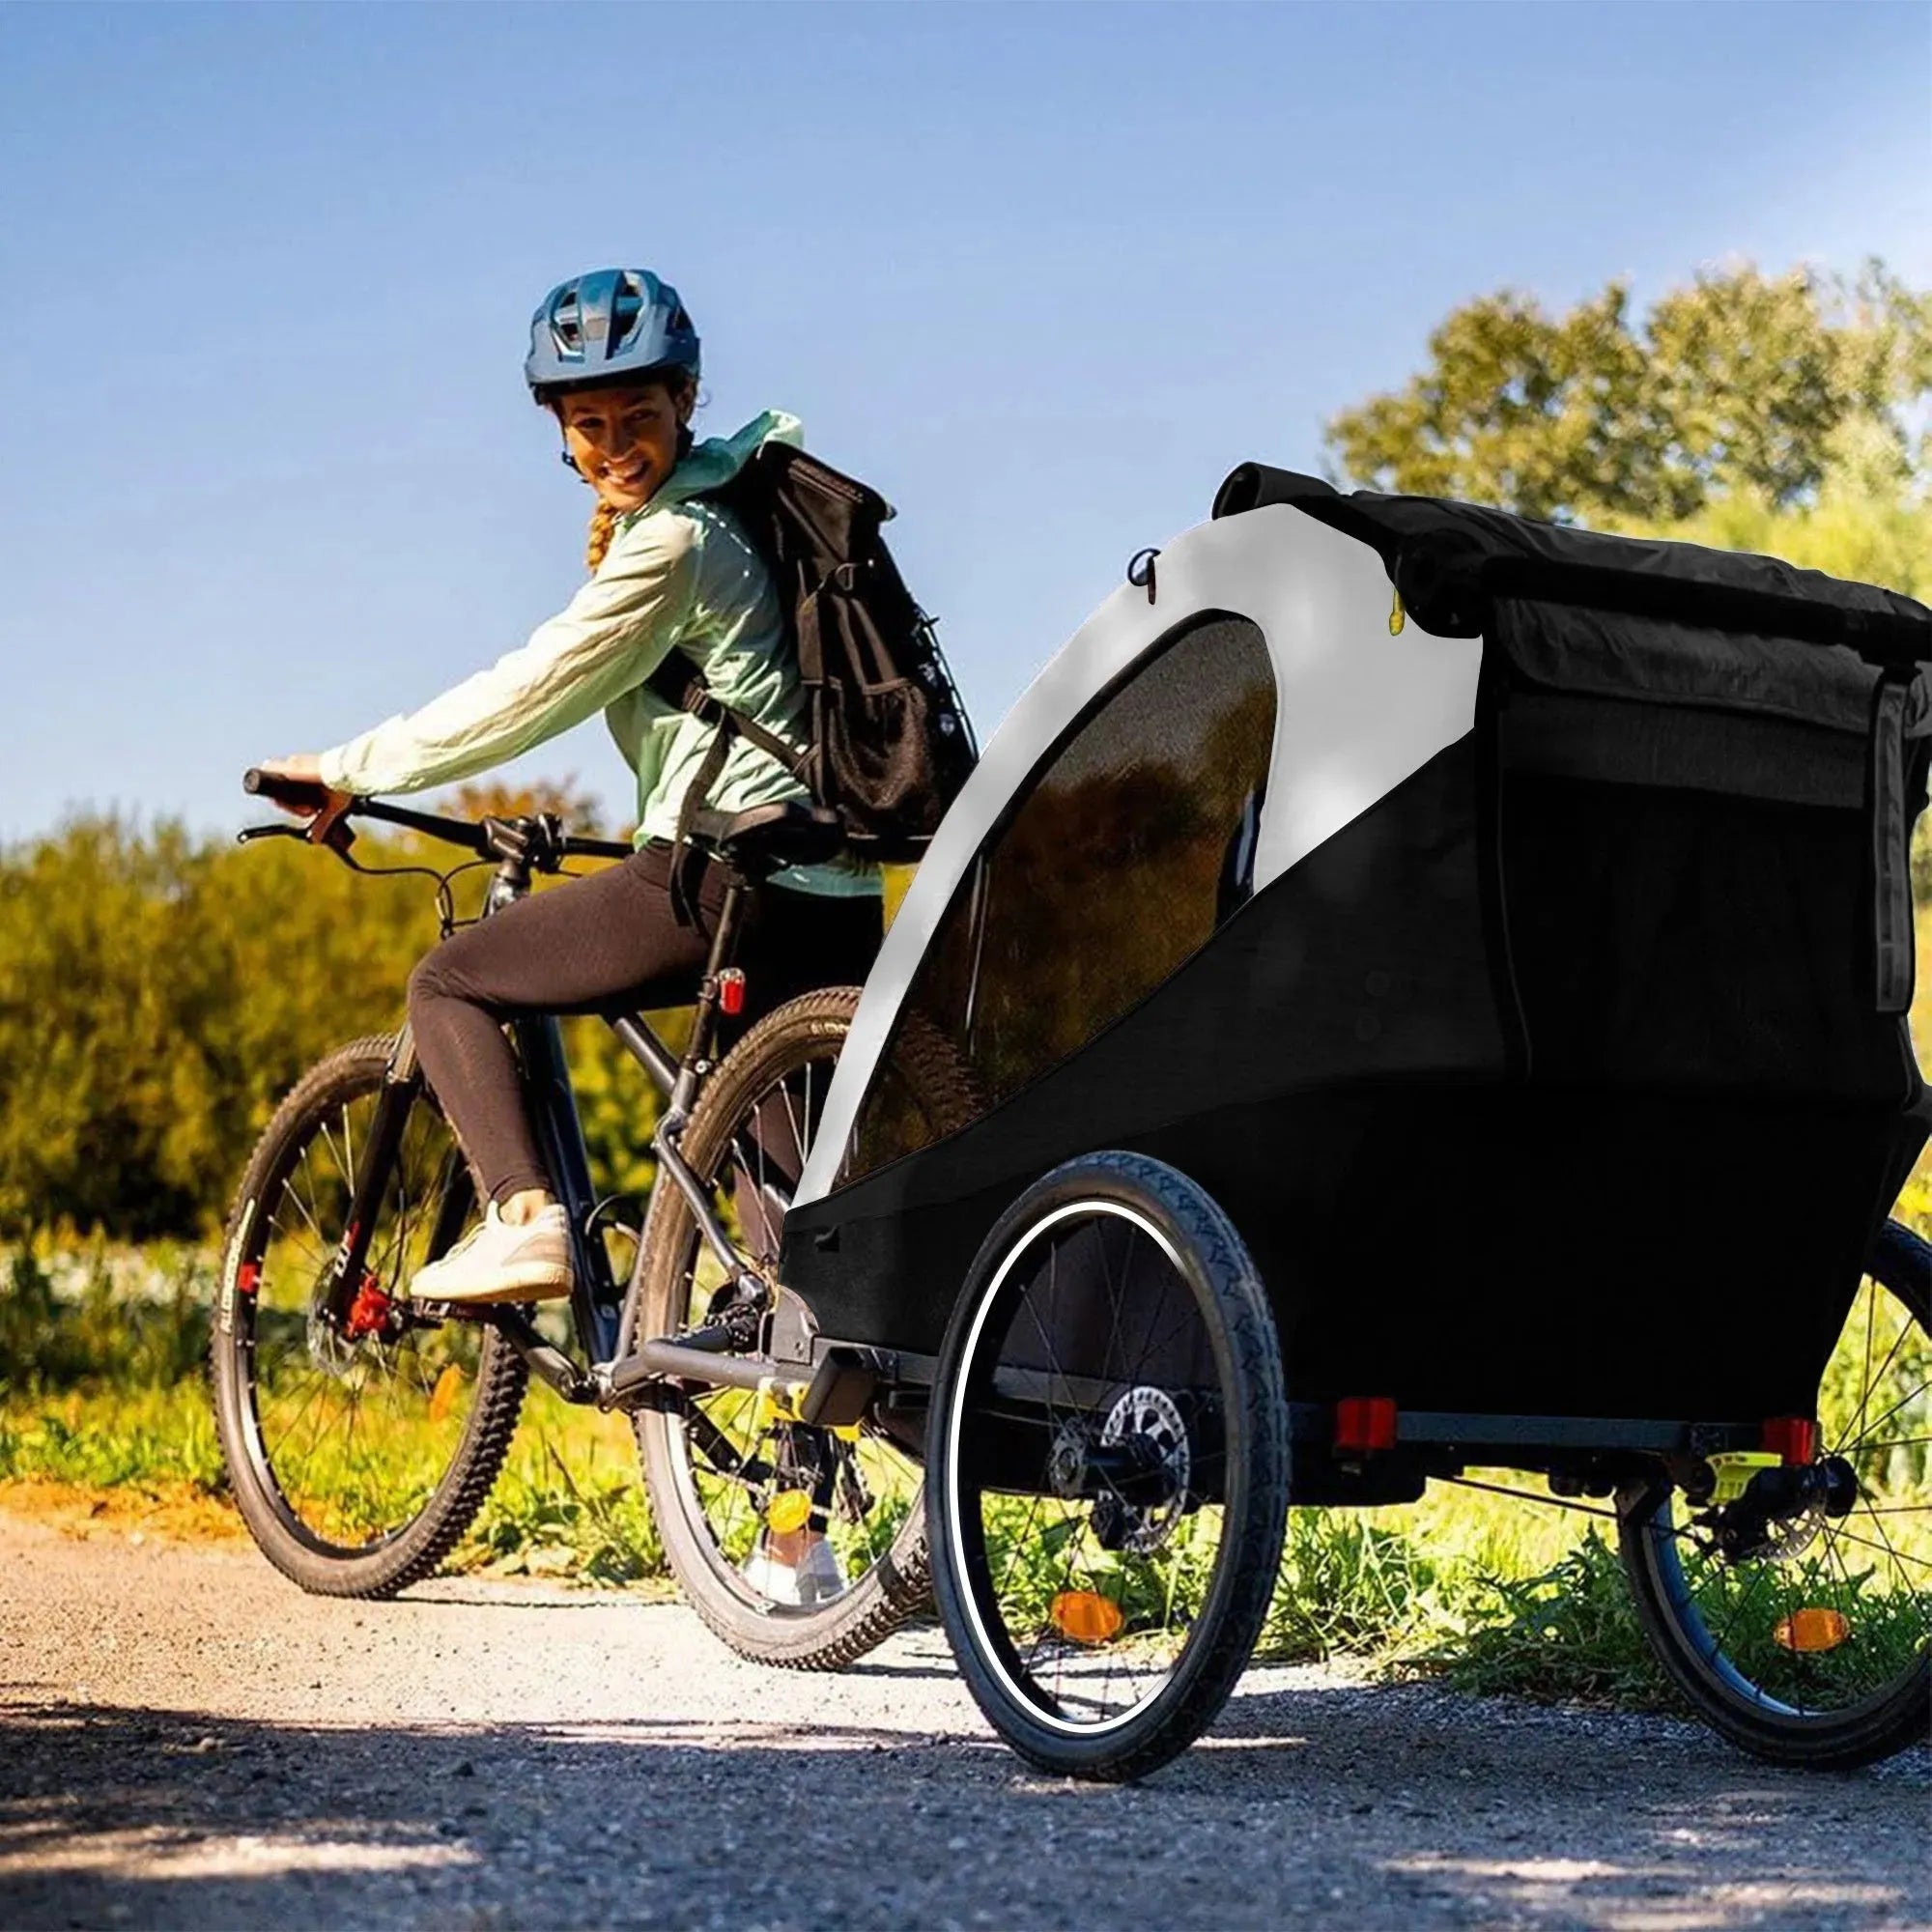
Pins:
x,y
611,1368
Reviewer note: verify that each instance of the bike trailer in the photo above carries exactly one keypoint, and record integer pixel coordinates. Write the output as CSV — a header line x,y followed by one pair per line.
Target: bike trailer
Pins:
x,y
1509,926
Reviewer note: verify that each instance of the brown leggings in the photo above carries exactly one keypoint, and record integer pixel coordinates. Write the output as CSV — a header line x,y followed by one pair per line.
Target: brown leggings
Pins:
x,y
606,943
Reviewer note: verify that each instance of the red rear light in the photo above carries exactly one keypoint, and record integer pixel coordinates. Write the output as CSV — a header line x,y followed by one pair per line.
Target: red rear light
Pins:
x,y
731,990
1365,1422
1793,1438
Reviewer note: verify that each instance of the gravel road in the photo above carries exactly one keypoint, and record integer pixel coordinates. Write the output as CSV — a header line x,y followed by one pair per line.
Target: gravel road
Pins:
x,y
186,1741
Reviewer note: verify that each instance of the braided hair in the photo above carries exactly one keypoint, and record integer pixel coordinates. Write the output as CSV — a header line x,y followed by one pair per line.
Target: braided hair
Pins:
x,y
603,528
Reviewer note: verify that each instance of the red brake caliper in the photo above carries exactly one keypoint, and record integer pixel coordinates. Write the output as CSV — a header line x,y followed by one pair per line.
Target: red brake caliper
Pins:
x,y
369,1311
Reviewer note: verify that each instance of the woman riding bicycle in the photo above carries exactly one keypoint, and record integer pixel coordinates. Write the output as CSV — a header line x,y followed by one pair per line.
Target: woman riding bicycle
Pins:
x,y
615,358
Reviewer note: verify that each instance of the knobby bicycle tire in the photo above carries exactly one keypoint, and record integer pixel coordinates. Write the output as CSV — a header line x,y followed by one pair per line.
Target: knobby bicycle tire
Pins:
x,y
898,1583
417,1549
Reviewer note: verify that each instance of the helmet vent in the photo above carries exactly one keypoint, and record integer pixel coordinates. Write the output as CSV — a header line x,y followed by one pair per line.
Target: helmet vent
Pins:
x,y
566,324
627,310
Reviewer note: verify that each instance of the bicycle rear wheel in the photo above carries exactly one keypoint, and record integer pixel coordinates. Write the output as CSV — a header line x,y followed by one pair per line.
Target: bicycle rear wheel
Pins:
x,y
357,1464
1811,1644
724,1470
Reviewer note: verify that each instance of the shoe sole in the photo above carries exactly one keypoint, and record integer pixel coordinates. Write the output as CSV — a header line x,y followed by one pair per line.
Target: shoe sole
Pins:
x,y
535,1285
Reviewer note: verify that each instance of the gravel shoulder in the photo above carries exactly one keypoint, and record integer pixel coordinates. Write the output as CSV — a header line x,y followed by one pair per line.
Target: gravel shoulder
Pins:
x,y
185,1739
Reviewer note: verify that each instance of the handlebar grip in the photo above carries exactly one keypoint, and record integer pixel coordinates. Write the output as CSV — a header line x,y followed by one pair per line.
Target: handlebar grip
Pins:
x,y
298,794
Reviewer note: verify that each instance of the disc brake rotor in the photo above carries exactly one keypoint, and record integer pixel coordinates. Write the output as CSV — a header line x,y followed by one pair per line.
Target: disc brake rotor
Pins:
x,y
1150,1417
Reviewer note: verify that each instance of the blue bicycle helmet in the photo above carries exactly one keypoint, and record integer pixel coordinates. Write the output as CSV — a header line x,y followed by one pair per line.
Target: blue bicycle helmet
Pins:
x,y
610,324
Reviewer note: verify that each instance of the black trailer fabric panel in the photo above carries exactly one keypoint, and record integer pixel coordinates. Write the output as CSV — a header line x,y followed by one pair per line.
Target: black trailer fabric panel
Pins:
x,y
1695,941
1615,742
1367,960
1687,828
1646,660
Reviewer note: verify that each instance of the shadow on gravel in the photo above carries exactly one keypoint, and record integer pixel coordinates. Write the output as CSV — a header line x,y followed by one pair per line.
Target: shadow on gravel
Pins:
x,y
1358,1808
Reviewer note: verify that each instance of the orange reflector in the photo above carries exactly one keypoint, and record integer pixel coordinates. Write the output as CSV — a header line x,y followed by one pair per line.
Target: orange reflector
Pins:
x,y
443,1397
1086,1616
788,1510
1812,1628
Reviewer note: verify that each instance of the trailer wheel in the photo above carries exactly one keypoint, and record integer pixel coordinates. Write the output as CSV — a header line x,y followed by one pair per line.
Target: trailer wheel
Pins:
x,y
1108,1464
1806,1637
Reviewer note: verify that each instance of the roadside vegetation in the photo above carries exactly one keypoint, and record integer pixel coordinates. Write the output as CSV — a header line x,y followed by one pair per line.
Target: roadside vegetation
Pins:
x,y
104,1392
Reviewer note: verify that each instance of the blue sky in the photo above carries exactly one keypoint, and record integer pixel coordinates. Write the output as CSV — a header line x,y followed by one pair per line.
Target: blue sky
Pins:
x,y
1041,274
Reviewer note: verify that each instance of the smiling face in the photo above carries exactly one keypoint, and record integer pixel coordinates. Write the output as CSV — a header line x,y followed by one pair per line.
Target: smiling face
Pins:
x,y
623,439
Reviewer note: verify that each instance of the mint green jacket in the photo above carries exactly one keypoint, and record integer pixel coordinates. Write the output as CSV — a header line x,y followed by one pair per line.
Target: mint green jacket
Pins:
x,y
679,574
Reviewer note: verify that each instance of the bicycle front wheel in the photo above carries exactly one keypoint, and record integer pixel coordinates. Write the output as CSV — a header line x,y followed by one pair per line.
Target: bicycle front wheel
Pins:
x,y
357,1464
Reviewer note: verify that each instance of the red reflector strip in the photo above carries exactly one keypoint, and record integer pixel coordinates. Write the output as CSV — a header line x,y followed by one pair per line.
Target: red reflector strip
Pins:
x,y
731,990
1364,1422
247,1277
1793,1438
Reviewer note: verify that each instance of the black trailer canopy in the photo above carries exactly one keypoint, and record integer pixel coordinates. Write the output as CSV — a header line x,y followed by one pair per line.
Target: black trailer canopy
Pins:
x,y
1450,561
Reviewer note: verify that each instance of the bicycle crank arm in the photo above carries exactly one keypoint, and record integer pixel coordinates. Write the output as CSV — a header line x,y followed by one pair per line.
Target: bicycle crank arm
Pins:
x,y
550,1365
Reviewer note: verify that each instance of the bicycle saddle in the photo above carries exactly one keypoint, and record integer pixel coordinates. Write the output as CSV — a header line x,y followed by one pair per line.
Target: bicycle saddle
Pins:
x,y
767,837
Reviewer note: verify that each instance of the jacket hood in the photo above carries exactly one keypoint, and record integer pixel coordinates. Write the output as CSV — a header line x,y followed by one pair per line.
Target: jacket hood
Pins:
x,y
718,458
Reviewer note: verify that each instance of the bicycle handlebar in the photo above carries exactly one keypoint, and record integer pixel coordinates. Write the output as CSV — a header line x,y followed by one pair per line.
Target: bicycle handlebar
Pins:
x,y
298,794
472,835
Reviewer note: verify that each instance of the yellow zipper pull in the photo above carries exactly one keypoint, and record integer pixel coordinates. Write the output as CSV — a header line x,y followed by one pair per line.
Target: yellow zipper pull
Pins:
x,y
1398,616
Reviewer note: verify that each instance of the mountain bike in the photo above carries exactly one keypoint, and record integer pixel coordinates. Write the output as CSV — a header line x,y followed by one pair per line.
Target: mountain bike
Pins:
x,y
363,1428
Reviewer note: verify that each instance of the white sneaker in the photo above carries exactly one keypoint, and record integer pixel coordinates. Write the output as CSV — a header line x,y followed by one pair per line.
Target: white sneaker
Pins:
x,y
501,1261
818,1579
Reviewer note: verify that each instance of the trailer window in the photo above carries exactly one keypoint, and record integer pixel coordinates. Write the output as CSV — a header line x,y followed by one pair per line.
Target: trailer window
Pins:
x,y
1132,841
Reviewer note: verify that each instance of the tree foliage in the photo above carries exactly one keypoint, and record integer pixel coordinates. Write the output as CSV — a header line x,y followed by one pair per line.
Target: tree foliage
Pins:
x,y
1739,384
1869,520
158,994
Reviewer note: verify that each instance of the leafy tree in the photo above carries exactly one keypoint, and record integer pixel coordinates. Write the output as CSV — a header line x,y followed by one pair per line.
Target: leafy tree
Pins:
x,y
160,994
1871,520
1739,382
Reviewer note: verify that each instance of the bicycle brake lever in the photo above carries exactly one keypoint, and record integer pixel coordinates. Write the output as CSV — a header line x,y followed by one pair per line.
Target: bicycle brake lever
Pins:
x,y
338,838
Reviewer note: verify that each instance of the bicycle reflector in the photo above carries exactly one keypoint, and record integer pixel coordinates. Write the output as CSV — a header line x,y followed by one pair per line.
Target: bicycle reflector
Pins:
x,y
1791,1438
787,1511
1086,1616
1811,1629
1364,1422
731,990
443,1397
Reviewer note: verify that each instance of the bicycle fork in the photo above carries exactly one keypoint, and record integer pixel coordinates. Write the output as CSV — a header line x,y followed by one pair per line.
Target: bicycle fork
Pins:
x,y
353,1302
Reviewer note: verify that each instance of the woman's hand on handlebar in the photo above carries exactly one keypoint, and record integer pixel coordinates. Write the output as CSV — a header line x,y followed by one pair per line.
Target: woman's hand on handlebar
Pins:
x,y
295,786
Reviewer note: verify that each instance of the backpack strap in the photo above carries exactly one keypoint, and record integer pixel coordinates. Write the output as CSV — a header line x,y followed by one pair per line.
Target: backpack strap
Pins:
x,y
679,682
